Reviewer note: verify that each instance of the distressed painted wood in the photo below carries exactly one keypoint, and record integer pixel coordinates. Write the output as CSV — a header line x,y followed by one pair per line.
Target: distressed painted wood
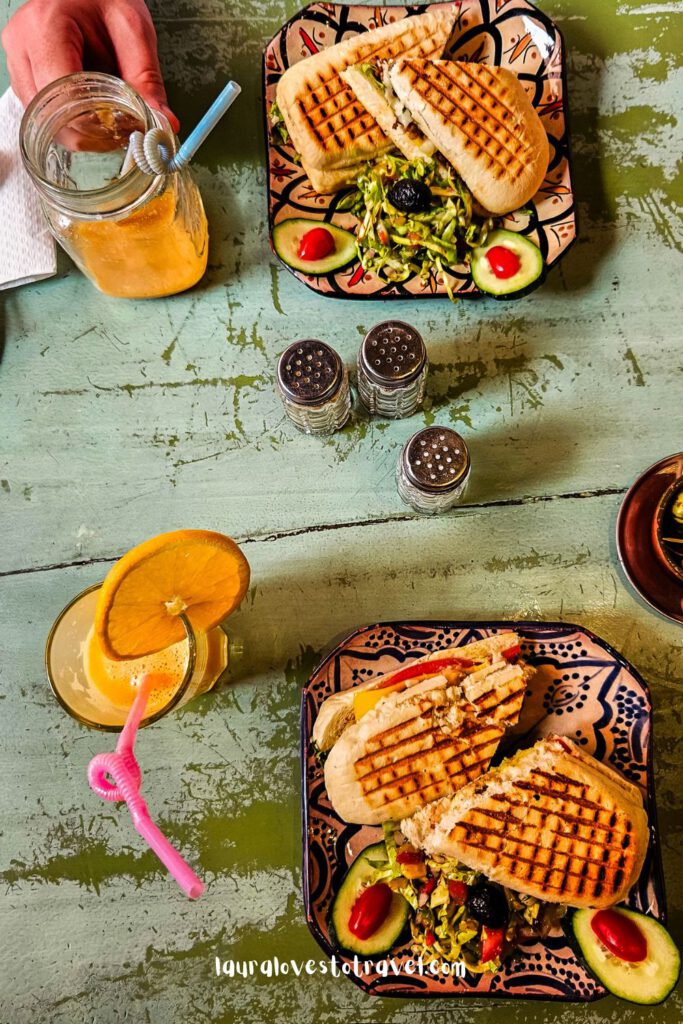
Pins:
x,y
118,420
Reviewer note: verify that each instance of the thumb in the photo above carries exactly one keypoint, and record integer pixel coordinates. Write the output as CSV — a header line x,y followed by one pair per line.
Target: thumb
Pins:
x,y
168,113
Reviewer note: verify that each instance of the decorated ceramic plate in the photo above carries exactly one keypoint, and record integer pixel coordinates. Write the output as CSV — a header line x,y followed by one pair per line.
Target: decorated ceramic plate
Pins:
x,y
510,33
582,689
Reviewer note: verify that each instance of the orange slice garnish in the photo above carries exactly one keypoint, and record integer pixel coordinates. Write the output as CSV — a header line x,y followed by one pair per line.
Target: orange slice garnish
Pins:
x,y
196,573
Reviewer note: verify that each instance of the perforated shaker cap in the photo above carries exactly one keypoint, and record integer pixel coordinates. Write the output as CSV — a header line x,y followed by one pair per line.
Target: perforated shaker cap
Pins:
x,y
310,372
436,459
392,354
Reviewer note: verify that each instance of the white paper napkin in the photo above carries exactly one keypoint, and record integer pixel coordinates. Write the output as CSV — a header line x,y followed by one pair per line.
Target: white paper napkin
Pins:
x,y
27,249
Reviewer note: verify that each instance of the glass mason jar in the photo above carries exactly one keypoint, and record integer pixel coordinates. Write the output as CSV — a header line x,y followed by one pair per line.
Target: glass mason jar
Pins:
x,y
135,235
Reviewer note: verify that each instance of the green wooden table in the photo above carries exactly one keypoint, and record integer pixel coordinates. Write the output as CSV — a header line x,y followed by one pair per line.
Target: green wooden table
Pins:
x,y
119,420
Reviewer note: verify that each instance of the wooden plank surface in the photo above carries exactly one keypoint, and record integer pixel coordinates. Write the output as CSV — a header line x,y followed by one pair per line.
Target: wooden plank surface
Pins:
x,y
118,420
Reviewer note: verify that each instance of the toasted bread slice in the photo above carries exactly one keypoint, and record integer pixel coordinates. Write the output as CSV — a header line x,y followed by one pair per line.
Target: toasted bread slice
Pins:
x,y
336,712
480,118
551,822
328,127
422,743
333,180
378,101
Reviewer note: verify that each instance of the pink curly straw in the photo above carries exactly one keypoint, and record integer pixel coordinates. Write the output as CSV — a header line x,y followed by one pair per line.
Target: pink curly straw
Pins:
x,y
123,768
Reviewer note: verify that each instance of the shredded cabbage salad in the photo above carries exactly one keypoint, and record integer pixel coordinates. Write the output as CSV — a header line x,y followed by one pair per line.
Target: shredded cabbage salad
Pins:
x,y
441,927
396,245
277,126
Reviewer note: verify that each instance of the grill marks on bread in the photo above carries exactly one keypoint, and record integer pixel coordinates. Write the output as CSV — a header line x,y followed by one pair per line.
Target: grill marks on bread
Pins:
x,y
476,100
482,121
329,127
331,111
552,822
429,756
587,847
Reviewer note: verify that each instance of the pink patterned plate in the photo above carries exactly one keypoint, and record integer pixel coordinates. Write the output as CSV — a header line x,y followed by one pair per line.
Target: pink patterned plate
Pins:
x,y
582,689
510,33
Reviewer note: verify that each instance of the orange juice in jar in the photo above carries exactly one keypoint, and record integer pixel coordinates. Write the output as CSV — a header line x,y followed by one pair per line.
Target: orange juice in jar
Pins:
x,y
133,235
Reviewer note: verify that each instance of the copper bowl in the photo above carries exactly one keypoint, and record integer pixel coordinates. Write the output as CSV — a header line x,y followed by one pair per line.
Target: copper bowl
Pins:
x,y
660,529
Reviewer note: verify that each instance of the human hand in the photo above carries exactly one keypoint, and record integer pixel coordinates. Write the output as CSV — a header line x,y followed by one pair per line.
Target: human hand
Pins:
x,y
46,39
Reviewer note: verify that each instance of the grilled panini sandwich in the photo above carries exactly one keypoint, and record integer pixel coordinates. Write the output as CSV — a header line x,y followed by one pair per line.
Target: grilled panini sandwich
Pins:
x,y
343,709
422,740
481,120
551,822
371,83
332,132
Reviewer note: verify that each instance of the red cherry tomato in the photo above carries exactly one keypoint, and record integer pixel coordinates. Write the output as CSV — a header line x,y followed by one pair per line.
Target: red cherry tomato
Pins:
x,y
620,934
370,910
491,943
503,262
409,857
430,937
429,886
512,652
457,891
316,244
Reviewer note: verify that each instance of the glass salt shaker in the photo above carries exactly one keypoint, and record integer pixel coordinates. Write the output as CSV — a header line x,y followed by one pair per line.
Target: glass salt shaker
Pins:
x,y
392,369
433,470
313,384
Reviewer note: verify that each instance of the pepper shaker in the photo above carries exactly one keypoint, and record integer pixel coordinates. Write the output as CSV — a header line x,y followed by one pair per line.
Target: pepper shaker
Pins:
x,y
392,369
433,470
313,384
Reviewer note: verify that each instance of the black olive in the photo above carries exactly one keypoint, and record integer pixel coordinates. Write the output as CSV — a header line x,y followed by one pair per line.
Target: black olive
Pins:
x,y
410,196
488,905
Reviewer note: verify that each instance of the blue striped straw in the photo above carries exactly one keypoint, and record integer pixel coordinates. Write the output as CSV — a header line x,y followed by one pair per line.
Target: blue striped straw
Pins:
x,y
220,105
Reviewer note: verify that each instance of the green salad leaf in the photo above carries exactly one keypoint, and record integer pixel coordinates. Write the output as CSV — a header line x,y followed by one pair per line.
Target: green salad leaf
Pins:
x,y
441,927
396,245
278,127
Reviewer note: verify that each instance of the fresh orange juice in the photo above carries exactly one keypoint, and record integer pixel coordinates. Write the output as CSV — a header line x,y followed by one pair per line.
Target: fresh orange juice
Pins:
x,y
119,680
154,251
99,691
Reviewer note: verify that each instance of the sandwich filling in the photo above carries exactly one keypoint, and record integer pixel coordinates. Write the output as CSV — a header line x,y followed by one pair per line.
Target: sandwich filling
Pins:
x,y
377,74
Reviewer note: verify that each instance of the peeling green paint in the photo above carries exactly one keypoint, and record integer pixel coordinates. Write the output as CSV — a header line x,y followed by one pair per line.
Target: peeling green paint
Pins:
x,y
168,351
638,377
275,289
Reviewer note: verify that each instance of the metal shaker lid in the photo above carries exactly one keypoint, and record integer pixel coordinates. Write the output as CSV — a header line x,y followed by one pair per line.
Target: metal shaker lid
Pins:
x,y
392,354
309,372
436,459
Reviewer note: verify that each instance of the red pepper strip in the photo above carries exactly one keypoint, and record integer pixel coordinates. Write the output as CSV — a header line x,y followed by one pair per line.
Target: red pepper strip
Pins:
x,y
457,891
409,857
370,910
512,652
425,668
429,886
491,943
430,938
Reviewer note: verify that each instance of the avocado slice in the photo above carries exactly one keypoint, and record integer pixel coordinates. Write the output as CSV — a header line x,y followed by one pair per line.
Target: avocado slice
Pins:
x,y
287,237
531,265
648,981
390,932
